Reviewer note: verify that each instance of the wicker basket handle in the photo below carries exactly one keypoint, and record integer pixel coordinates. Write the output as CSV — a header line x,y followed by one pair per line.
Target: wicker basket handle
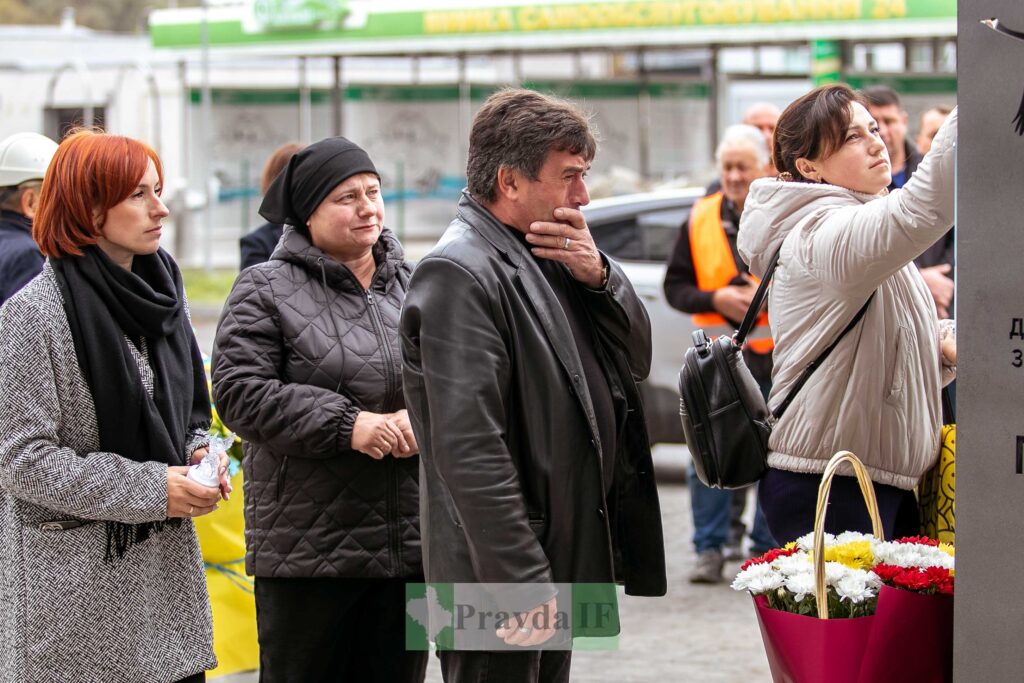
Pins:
x,y
867,490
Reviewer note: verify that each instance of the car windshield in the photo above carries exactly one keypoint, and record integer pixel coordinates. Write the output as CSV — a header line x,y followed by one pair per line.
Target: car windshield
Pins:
x,y
638,235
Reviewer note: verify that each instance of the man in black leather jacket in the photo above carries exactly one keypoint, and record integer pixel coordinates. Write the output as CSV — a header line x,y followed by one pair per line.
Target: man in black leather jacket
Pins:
x,y
522,346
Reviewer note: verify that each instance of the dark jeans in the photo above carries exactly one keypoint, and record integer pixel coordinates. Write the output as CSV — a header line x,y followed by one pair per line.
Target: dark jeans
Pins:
x,y
335,630
545,666
195,678
789,499
712,508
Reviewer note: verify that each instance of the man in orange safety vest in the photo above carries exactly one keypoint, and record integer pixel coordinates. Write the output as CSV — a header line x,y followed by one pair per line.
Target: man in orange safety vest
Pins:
x,y
707,279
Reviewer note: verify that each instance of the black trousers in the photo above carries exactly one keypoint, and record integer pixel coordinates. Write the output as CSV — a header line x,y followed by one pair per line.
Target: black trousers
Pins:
x,y
788,500
195,678
535,666
335,631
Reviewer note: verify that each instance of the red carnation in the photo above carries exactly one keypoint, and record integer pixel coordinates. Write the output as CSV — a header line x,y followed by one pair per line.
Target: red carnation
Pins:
x,y
920,540
887,572
941,579
914,579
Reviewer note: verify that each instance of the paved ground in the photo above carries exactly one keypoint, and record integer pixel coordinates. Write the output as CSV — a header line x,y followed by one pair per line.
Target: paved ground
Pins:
x,y
696,633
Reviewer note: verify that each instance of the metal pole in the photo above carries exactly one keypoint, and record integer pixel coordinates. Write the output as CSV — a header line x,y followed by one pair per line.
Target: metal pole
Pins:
x,y
337,98
305,105
400,181
182,218
156,119
643,119
713,88
464,107
206,139
246,199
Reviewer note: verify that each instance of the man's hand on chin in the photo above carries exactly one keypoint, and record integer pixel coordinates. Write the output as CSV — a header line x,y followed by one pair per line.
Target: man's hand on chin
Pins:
x,y
569,240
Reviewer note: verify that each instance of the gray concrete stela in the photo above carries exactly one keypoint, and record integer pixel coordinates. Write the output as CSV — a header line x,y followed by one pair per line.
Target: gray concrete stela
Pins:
x,y
695,633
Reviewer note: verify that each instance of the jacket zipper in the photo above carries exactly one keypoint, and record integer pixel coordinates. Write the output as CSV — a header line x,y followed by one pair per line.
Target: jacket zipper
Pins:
x,y
394,549
389,391
378,327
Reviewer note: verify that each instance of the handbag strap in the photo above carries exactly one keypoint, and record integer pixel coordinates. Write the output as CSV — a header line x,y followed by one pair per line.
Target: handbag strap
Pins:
x,y
755,308
758,301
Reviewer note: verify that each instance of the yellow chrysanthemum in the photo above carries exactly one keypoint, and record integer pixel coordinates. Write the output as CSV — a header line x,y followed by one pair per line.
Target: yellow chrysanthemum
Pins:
x,y
855,554
789,546
948,549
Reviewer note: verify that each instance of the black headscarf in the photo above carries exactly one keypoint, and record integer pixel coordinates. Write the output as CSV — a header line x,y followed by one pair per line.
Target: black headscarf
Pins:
x,y
105,303
310,176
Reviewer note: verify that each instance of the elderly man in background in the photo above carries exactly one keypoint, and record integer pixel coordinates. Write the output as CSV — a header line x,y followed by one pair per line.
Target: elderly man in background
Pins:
x,y
706,278
764,116
24,158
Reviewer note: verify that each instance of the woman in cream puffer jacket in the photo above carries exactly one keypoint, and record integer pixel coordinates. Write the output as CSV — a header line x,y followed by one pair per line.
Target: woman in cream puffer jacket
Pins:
x,y
843,238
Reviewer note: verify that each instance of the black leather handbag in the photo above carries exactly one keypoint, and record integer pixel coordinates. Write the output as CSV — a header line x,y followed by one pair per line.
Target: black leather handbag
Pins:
x,y
726,420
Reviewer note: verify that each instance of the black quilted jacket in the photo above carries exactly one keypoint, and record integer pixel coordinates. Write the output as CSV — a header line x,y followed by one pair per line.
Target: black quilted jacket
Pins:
x,y
301,348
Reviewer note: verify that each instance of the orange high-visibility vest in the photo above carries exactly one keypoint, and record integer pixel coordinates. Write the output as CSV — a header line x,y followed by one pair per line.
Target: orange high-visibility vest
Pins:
x,y
715,268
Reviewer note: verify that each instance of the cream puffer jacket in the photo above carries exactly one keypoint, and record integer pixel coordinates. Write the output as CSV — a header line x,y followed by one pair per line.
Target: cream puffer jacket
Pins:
x,y
878,393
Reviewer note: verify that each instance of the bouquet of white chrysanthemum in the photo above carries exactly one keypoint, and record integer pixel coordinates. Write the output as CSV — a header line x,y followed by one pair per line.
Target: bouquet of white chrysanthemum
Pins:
x,y
852,608
785,576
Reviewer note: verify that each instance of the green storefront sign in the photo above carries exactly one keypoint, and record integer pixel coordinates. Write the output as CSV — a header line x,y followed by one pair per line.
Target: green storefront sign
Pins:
x,y
826,62
325,20
284,15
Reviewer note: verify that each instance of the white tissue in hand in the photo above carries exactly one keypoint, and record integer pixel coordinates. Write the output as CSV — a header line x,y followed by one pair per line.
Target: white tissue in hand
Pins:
x,y
206,472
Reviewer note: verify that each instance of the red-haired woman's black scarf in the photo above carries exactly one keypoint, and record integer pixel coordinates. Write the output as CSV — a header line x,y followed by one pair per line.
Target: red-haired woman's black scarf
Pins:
x,y
106,303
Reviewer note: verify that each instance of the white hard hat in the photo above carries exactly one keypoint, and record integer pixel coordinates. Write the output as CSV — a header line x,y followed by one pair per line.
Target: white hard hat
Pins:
x,y
24,156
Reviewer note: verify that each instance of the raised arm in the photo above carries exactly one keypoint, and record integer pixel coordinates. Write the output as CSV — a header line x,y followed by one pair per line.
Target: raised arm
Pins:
x,y
862,245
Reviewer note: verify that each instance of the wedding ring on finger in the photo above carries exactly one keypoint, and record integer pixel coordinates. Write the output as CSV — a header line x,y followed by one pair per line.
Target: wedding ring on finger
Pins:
x,y
523,629
190,509
565,245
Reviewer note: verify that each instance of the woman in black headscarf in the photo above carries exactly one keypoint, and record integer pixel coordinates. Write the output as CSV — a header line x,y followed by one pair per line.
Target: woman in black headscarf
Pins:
x,y
306,368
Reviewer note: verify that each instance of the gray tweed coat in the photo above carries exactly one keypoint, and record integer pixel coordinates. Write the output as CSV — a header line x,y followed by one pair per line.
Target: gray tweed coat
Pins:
x,y
66,614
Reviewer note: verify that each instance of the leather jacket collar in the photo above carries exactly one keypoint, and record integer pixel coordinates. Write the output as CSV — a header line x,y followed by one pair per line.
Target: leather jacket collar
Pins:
x,y
491,229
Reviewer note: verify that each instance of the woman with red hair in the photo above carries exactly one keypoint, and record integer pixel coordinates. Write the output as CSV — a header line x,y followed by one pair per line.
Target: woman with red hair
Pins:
x,y
103,405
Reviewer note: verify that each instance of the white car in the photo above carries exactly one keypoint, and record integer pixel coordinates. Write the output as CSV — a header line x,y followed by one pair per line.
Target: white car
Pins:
x,y
638,231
